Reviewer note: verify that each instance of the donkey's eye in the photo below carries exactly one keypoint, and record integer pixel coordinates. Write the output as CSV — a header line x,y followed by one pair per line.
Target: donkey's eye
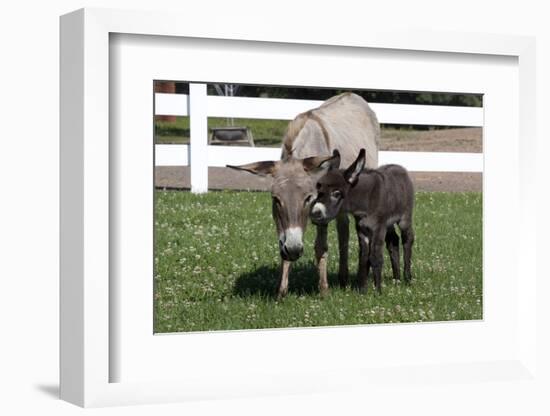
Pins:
x,y
336,194
318,186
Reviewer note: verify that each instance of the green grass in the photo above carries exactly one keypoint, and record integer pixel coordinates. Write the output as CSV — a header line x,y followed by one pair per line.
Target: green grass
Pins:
x,y
265,132
217,267
268,133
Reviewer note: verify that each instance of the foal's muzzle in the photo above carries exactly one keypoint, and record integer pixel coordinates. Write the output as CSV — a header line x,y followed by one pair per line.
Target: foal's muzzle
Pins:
x,y
318,214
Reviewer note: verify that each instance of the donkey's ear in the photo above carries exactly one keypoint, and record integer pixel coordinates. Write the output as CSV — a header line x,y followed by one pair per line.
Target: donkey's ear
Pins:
x,y
322,163
258,168
352,173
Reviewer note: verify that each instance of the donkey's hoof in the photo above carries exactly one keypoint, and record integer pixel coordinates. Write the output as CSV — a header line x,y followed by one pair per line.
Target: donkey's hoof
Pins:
x,y
281,295
343,280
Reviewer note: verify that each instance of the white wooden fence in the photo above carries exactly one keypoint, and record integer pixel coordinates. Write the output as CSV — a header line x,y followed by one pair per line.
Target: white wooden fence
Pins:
x,y
199,155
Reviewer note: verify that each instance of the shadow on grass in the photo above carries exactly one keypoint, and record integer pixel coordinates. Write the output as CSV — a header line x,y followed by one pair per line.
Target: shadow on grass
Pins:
x,y
264,281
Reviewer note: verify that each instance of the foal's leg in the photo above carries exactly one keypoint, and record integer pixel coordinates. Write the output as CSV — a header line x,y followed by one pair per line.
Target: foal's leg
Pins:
x,y
392,244
376,255
407,237
283,286
321,254
363,268
342,227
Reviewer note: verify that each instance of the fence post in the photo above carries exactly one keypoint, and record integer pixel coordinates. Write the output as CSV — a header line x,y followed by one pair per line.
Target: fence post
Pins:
x,y
198,149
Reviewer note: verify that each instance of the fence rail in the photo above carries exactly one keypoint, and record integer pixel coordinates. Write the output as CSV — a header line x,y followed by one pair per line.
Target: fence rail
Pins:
x,y
287,109
219,156
199,156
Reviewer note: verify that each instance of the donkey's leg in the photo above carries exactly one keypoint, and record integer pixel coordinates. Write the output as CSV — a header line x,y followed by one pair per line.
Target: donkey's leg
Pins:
x,y
367,267
321,253
283,286
364,264
407,237
342,227
392,244
376,255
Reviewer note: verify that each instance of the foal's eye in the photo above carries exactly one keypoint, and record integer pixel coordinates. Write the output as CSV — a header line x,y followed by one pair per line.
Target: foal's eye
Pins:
x,y
336,194
308,200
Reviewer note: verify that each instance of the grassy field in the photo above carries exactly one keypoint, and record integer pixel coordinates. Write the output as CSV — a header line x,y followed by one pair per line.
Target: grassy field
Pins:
x,y
217,267
265,132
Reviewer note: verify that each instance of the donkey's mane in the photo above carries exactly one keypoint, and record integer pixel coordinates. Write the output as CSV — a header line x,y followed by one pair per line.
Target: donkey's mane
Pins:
x,y
294,128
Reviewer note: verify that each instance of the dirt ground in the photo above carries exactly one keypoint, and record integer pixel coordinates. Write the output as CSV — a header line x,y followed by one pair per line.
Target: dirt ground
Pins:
x,y
448,140
467,140
172,177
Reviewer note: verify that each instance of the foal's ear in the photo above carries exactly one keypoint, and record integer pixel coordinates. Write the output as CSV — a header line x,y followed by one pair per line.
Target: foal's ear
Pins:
x,y
352,173
258,168
322,163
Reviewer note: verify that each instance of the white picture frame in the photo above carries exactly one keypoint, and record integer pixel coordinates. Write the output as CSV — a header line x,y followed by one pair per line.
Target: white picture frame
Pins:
x,y
87,304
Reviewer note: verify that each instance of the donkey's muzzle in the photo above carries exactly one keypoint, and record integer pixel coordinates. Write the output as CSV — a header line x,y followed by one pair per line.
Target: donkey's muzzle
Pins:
x,y
290,244
292,253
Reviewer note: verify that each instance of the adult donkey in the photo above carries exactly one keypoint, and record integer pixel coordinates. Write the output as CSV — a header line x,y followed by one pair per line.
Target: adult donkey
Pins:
x,y
344,122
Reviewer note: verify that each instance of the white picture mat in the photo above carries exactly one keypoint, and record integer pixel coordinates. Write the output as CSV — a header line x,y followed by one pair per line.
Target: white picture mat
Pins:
x,y
137,60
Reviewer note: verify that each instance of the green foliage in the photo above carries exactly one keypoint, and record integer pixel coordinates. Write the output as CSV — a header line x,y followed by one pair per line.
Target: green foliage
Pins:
x,y
217,267
380,96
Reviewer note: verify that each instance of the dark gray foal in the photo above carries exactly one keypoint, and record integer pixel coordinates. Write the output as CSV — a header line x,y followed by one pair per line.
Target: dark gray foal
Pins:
x,y
378,199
